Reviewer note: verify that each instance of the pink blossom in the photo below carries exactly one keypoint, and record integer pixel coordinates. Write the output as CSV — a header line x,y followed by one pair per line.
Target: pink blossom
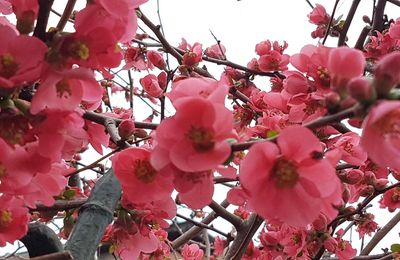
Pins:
x,y
345,63
394,30
216,51
285,182
21,58
65,90
97,136
156,59
211,89
387,73
26,12
140,182
151,86
192,252
14,219
380,134
126,129
361,89
194,143
391,199
319,15
5,7
349,145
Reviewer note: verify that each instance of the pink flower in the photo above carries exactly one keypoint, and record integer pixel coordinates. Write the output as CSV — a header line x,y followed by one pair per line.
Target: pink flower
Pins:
x,y
319,15
273,61
194,139
193,54
21,58
381,134
286,182
156,59
391,199
192,252
387,73
345,63
26,12
140,182
211,89
66,90
394,30
14,219
120,17
352,152
5,7
97,136
216,51
151,86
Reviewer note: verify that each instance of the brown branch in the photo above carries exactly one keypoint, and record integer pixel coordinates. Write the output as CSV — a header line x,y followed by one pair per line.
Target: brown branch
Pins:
x,y
101,119
43,18
69,8
377,22
395,2
379,235
223,213
363,257
193,231
244,235
325,120
347,22
361,39
156,30
202,225
328,29
60,205
219,61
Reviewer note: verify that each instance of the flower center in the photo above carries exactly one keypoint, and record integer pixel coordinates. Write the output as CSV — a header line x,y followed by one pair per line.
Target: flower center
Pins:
x,y
79,50
285,174
144,171
5,218
131,54
63,89
323,75
202,138
396,195
8,66
389,124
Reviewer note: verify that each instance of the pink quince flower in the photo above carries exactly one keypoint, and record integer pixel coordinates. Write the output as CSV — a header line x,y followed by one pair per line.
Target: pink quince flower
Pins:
x,y
285,181
141,183
216,51
391,199
26,12
344,64
21,58
156,59
151,86
194,139
394,30
14,219
192,252
319,16
381,132
119,16
211,89
349,145
5,7
65,90
387,73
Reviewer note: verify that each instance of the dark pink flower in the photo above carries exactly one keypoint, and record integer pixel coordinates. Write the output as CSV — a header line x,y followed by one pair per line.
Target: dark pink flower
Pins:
x,y
319,15
21,58
216,51
194,139
380,137
192,252
156,59
14,219
286,182
151,86
140,182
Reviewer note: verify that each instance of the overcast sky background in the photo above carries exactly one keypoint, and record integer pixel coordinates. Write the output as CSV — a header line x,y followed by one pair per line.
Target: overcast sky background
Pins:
x,y
240,25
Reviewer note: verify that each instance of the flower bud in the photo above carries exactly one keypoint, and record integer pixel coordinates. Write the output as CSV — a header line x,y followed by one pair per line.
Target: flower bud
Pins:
x,y
353,176
360,89
387,73
151,86
126,129
156,59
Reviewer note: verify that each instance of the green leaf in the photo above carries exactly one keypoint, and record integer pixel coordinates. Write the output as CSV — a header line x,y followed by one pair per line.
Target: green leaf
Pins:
x,y
395,248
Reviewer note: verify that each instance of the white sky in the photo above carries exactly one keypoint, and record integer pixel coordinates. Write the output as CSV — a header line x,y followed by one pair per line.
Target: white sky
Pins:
x,y
240,25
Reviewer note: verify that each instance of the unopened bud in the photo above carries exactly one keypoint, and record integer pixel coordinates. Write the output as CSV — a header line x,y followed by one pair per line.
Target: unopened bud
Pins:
x,y
126,129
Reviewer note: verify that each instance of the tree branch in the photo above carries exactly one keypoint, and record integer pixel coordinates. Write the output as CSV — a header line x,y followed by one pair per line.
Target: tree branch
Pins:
x,y
347,23
381,234
223,213
69,8
43,17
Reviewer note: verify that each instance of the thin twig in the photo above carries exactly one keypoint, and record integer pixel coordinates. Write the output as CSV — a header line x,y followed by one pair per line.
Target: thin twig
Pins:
x,y
347,22
328,29
69,8
202,225
223,213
